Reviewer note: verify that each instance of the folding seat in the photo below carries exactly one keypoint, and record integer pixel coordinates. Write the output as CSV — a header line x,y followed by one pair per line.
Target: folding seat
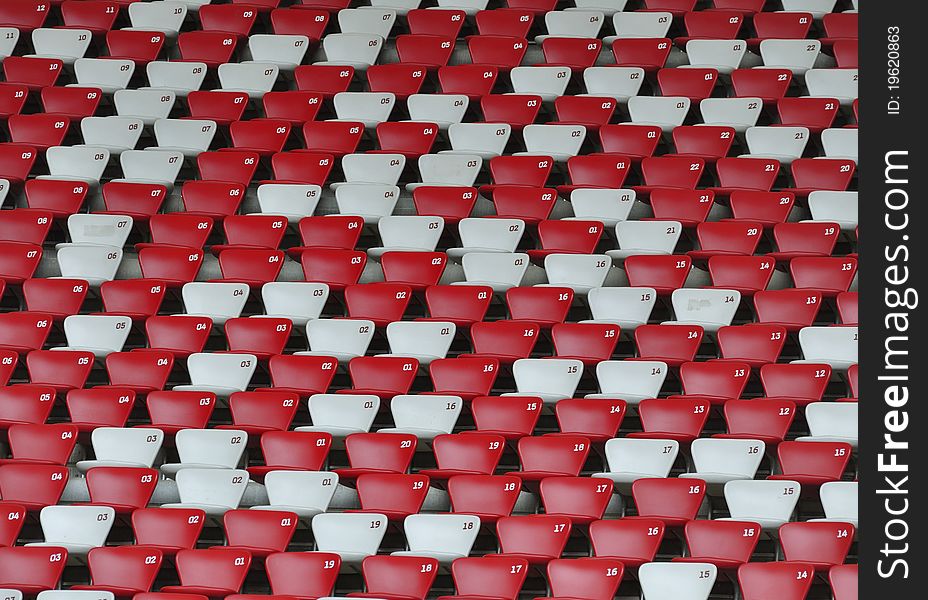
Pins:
x,y
598,421
671,500
418,270
32,486
744,274
473,454
224,108
31,570
25,404
619,83
306,21
446,22
537,539
560,142
409,138
382,376
719,24
499,271
815,114
340,339
591,112
519,171
487,497
590,343
829,275
261,411
253,78
107,74
725,544
211,490
13,98
110,231
171,411
486,140
580,499
756,346
840,143
261,337
139,46
77,529
151,166
831,422
812,463
97,16
423,340
796,55
165,16
715,381
301,167
304,375
844,581
789,308
497,576
566,237
839,501
763,419
581,23
663,273
442,537
123,447
847,308
40,443
34,73
710,309
463,306
306,574
426,51
292,106
233,19
837,207
293,489
506,21
766,208
291,200
352,536
680,418
122,570
100,334
326,80
726,237
672,172
114,133
40,131
261,533
666,580
474,81
220,373
504,52
649,54
718,461
631,459
262,136
397,576
251,231
608,206
294,451
515,110
407,233
739,113
369,108
796,240
134,298
821,545
769,85
499,235
580,272
252,266
792,580
342,414
213,572
546,82
188,136
833,84
511,417
124,489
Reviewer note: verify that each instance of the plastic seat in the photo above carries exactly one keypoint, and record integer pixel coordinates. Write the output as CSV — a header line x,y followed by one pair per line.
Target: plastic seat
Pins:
x,y
169,530
382,376
551,456
40,443
649,54
575,53
511,417
550,379
745,274
681,418
505,341
220,373
394,495
716,381
139,46
25,404
214,572
844,581
796,55
8,360
822,545
16,162
488,497
261,533
725,544
202,449
827,275
497,577
261,337
710,309
29,226
353,536
253,78
631,381
15,517
673,501
834,346
538,539
474,81
792,579
125,489
725,459
215,491
40,131
303,574
671,344
695,83
580,499
632,459
261,411
122,570
441,537
567,237
100,334
485,140
832,422
62,371
32,570
292,451
140,372
32,486
77,529
33,72
664,580
342,414
812,463
146,104
304,493
461,305
544,306
502,51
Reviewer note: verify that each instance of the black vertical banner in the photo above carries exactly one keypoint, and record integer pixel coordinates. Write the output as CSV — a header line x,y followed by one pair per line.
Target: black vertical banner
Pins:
x,y
893,453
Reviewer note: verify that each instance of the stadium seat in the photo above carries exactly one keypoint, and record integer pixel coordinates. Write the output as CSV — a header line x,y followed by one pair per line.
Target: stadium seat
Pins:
x,y
122,570
537,539
632,459
474,454
377,453
63,371
213,490
352,536
169,530
32,570
77,529
125,489
792,580
424,416
220,373
493,576
303,493
632,381
667,580
812,463
442,537
680,418
463,377
673,501
211,572
551,456
40,443
32,486
488,497
821,545
512,417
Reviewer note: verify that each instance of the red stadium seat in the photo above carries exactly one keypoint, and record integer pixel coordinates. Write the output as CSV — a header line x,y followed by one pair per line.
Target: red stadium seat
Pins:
x,y
755,345
710,25
175,410
302,574
531,171
670,172
401,79
141,372
13,98
820,174
596,171
418,270
588,342
816,114
756,174
490,497
60,197
34,73
264,136
258,412
844,581
211,48
802,383
537,539
213,199
220,106
377,453
460,304
715,381
726,237
259,532
181,230
634,141
63,371
664,273
181,335
71,102
505,21
531,204
41,443
302,375
308,22
170,530
767,420
586,577
24,15
590,111
543,306
828,275
99,407
139,46
767,208
725,544
16,160
141,201
23,332
475,81
812,463
428,51
327,80
293,106
175,265
32,570
780,25
649,54
512,417
576,53
747,7
303,167
292,451
804,239
97,16
452,203
251,231
26,225
126,489
250,265
518,110
262,337
382,376
389,577
443,22
822,545
337,268
847,55
679,418
847,308
790,308
505,341
551,456
769,85
696,83
672,344
580,499
497,577
792,580
674,501
34,486
708,142
632,541
381,303
122,570
40,131
396,495
409,138
227,18
135,298
335,231
213,572
596,420
475,454
567,237
8,361
463,377
11,524
502,51
688,207
746,274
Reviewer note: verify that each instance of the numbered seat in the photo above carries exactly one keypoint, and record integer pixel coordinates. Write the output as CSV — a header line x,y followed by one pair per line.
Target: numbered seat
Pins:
x,y
260,533
169,530
352,536
549,379
832,422
681,419
77,529
674,501
261,411
711,309
291,451
304,493
32,486
716,381
125,489
822,545
663,580
461,305
31,570
632,459
537,539
214,491
100,334
512,417
122,570
834,346
492,576
40,443
551,456
770,504
812,463
213,572
793,579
